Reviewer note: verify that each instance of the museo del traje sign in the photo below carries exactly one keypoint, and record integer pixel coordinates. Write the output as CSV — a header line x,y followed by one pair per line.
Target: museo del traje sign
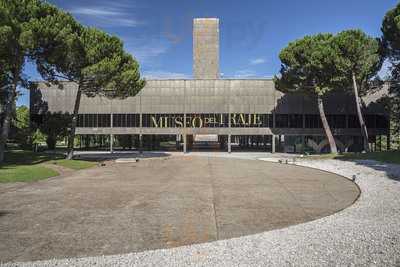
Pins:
x,y
206,120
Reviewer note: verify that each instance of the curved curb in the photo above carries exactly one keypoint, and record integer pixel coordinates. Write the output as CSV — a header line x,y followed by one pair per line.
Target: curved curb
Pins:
x,y
321,170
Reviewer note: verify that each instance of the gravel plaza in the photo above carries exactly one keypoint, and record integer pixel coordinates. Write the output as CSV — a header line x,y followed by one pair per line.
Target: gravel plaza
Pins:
x,y
223,214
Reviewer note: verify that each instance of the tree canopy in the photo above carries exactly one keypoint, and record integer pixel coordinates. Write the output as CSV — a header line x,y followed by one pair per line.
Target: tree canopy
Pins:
x,y
391,43
357,60
54,126
391,33
62,49
307,66
16,17
87,56
22,126
358,53
93,59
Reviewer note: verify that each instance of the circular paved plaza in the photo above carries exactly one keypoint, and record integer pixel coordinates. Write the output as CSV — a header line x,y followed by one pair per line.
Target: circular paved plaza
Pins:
x,y
161,203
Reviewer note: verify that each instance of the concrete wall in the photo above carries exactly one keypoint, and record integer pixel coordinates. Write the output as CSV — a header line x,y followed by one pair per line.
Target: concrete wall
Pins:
x,y
199,96
166,96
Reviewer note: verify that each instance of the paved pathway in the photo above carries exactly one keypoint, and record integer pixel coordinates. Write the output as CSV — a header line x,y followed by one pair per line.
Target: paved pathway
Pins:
x,y
366,233
162,203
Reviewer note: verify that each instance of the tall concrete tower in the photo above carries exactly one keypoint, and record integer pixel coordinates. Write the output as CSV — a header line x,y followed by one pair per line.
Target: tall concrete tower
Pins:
x,y
206,48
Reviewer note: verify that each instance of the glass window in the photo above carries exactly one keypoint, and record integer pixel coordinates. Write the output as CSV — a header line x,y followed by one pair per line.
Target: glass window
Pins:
x,y
133,120
312,121
104,120
352,121
281,121
370,121
119,120
337,121
382,122
295,120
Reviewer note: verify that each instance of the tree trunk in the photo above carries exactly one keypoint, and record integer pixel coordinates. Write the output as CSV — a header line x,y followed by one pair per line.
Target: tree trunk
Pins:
x,y
51,142
8,108
71,136
364,131
326,127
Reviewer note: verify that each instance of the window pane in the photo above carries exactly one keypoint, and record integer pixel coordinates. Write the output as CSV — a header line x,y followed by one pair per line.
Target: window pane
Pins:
x,y
281,121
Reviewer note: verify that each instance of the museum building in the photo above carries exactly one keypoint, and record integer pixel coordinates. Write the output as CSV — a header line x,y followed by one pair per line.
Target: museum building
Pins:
x,y
212,113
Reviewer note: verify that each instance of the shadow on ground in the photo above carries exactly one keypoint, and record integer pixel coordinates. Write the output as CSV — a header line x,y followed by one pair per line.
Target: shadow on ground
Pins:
x,y
23,157
99,156
383,161
392,170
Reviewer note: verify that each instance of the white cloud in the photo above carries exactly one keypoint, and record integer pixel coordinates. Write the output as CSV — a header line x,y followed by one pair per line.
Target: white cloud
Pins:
x,y
248,74
159,74
146,50
107,15
257,61
92,11
245,74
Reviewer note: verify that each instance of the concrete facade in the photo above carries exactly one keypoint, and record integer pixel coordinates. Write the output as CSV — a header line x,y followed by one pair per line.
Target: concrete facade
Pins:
x,y
189,103
200,97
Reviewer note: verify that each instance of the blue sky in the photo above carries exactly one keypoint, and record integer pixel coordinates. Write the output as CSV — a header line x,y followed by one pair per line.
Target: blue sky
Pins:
x,y
159,32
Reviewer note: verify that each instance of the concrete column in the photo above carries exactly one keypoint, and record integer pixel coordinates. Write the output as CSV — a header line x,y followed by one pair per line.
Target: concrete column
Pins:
x,y
229,144
140,143
111,143
273,143
177,138
185,143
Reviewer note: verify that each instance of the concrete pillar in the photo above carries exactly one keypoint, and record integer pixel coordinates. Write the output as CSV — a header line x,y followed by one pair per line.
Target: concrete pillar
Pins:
x,y
273,143
140,143
229,144
206,48
177,138
185,143
111,143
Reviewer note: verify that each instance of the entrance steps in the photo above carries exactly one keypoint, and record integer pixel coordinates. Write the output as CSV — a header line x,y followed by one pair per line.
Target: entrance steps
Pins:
x,y
206,141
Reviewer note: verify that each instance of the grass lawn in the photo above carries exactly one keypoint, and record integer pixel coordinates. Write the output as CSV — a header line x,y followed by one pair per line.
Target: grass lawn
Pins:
x,y
385,156
25,166
24,173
